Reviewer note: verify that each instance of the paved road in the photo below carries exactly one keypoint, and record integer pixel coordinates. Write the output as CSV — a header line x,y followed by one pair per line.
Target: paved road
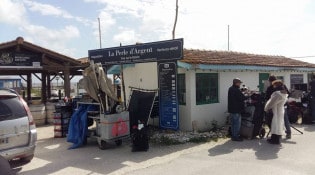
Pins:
x,y
295,156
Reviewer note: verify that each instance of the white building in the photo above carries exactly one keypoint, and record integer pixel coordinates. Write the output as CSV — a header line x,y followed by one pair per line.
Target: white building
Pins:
x,y
205,76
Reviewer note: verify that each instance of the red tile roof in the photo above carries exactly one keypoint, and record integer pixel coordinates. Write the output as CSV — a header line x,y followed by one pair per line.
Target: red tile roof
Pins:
x,y
238,58
84,60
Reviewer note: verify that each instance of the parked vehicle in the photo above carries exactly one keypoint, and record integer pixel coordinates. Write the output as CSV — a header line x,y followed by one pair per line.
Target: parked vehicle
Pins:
x,y
54,93
18,133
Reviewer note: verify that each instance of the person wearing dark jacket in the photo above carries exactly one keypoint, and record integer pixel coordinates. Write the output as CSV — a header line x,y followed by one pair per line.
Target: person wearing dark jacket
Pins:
x,y
312,101
236,106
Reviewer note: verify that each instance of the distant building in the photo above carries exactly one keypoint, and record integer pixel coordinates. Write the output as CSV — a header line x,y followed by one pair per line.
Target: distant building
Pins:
x,y
11,83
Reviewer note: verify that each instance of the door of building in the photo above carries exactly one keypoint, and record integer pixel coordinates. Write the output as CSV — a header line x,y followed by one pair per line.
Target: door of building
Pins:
x,y
263,77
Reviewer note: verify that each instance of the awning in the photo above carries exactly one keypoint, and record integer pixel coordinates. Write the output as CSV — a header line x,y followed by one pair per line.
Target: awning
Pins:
x,y
115,69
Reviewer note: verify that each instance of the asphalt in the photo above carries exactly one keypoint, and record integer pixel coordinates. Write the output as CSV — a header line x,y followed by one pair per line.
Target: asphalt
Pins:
x,y
295,156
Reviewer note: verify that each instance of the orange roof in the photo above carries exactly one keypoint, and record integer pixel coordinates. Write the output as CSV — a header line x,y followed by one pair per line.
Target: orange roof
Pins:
x,y
238,58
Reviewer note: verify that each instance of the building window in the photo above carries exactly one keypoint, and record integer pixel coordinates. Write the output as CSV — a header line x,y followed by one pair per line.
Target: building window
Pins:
x,y
297,82
181,89
280,78
207,88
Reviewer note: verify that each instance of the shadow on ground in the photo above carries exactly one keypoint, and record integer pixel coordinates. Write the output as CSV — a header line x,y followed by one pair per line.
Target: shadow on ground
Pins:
x,y
53,156
262,149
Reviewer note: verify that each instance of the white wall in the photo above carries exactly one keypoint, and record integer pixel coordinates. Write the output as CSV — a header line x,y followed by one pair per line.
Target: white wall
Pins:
x,y
204,114
145,76
142,75
185,112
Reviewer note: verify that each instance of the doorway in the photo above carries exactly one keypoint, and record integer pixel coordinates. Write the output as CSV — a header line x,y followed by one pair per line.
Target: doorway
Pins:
x,y
263,78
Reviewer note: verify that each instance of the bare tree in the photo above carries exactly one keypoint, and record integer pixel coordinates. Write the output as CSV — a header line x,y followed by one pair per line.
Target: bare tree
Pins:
x,y
175,22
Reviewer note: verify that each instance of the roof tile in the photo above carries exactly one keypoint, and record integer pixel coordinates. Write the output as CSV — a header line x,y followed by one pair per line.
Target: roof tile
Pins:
x,y
238,58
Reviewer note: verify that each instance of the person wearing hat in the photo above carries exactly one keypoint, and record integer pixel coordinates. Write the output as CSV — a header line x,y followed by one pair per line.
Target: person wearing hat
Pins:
x,y
269,91
236,106
276,104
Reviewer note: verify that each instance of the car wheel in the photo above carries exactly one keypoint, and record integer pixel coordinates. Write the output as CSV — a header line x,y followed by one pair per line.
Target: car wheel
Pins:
x,y
27,159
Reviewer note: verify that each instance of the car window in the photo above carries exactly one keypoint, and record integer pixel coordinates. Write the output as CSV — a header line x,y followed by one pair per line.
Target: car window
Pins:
x,y
11,108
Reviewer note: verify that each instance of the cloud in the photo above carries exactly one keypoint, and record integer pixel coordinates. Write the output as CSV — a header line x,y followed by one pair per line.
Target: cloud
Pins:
x,y
106,20
266,27
54,39
50,10
46,9
126,37
282,27
42,33
106,23
15,13
129,7
12,12
255,26
149,19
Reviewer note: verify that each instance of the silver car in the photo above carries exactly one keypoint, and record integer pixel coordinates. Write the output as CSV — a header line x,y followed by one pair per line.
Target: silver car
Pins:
x,y
18,133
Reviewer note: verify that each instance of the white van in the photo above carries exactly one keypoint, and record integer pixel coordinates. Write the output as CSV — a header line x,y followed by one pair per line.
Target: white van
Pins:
x,y
18,133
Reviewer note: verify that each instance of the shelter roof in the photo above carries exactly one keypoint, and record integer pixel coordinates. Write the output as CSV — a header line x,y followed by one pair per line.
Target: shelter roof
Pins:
x,y
50,60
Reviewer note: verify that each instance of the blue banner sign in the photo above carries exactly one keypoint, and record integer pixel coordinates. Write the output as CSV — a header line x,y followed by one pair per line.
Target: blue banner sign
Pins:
x,y
168,95
140,53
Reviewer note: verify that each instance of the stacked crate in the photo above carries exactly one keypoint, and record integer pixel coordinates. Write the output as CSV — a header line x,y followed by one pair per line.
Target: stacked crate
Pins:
x,y
61,120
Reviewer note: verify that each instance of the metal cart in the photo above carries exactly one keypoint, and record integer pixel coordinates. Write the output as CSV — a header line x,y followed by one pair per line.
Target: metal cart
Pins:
x,y
109,127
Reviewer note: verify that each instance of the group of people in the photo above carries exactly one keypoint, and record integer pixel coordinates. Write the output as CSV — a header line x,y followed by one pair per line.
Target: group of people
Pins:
x,y
276,98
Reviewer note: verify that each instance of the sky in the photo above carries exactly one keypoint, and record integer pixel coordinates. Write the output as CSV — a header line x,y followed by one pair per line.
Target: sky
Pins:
x,y
70,27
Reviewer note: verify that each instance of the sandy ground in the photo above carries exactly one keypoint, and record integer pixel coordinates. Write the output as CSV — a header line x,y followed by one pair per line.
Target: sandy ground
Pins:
x,y
295,156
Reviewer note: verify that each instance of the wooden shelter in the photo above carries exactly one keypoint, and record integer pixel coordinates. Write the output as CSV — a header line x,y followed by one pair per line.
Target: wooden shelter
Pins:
x,y
22,58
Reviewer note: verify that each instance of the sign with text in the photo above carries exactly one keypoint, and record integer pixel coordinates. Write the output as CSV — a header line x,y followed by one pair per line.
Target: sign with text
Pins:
x,y
168,95
141,53
19,59
296,78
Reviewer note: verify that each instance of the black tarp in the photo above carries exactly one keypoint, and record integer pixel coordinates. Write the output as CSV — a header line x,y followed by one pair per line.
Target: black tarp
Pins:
x,y
140,106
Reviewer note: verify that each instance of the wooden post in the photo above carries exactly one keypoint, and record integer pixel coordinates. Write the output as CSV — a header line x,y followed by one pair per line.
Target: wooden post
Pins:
x,y
175,22
48,86
67,80
44,88
29,87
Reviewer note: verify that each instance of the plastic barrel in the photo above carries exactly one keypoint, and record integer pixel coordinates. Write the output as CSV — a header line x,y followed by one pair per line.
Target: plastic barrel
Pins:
x,y
50,109
39,113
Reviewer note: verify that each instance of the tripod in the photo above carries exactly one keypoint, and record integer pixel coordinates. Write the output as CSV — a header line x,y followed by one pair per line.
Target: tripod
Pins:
x,y
290,126
296,129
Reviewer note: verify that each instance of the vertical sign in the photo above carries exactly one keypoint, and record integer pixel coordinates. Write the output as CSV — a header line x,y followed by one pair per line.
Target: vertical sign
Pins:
x,y
168,95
